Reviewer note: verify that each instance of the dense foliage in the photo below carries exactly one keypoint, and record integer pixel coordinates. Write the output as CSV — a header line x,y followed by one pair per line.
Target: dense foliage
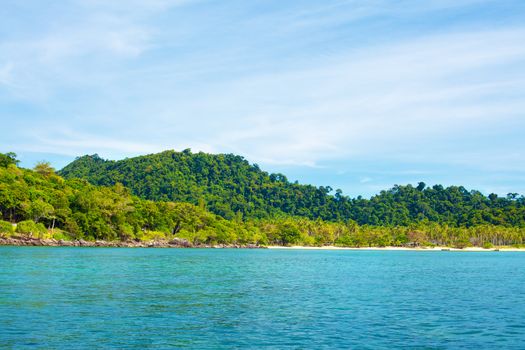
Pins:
x,y
8,158
229,186
42,201
39,203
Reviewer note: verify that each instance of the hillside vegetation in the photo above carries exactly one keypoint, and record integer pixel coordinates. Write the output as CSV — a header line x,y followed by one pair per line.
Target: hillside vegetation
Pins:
x,y
231,187
41,204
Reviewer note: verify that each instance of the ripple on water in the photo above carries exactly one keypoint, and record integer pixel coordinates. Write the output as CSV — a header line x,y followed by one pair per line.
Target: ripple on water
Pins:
x,y
158,298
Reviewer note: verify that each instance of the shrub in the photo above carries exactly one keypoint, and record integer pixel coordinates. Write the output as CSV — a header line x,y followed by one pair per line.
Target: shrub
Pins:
x,y
41,230
6,228
126,232
151,235
31,228
192,236
61,235
27,227
488,245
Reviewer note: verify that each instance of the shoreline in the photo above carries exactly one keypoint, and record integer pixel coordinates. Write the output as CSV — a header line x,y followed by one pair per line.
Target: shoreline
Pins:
x,y
417,249
174,243
181,243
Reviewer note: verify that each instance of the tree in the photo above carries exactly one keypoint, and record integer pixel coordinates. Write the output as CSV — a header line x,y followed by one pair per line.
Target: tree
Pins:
x,y
44,168
39,209
6,228
290,233
7,159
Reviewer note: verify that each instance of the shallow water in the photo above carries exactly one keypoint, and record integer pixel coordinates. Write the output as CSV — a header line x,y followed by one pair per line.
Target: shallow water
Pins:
x,y
227,298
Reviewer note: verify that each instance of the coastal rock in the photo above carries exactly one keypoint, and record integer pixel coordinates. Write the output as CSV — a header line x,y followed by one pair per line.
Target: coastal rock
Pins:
x,y
174,243
66,243
180,242
83,243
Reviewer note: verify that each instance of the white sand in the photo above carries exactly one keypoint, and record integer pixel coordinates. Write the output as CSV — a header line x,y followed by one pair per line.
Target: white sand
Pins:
x,y
419,249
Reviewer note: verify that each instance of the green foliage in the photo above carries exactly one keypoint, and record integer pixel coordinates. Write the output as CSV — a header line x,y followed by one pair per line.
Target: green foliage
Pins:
x,y
31,228
59,234
289,233
461,243
488,245
6,228
79,210
44,168
229,186
7,159
224,200
152,235
301,231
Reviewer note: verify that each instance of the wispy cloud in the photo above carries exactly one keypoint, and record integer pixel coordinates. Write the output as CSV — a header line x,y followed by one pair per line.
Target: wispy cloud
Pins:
x,y
380,100
364,180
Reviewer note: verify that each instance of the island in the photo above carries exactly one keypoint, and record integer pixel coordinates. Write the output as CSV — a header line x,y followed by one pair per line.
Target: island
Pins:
x,y
182,199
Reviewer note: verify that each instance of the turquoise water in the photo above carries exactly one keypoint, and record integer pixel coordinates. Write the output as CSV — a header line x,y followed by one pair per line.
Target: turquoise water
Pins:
x,y
205,298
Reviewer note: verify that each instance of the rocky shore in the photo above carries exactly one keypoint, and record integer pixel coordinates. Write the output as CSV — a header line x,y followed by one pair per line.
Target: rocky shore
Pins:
x,y
174,243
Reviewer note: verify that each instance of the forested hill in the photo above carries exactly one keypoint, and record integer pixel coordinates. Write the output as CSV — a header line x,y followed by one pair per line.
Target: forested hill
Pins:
x,y
230,186
226,184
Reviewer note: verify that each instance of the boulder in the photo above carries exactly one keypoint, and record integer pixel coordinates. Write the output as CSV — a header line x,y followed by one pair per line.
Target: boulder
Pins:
x,y
180,242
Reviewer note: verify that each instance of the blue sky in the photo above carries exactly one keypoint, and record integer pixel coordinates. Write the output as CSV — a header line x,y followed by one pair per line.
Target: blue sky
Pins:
x,y
359,95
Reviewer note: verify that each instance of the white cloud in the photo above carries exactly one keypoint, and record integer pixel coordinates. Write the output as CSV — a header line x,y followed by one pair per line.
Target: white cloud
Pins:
x,y
388,101
375,100
82,48
202,84
365,180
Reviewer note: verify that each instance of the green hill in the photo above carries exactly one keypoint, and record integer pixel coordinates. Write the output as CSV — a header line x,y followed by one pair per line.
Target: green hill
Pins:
x,y
229,186
43,204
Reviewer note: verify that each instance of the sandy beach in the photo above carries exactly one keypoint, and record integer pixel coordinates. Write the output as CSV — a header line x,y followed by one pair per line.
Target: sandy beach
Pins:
x,y
419,249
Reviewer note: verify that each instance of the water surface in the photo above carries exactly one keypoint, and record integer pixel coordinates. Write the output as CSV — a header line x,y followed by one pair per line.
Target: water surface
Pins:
x,y
213,298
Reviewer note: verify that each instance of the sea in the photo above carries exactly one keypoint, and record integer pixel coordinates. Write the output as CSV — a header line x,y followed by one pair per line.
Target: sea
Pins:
x,y
154,298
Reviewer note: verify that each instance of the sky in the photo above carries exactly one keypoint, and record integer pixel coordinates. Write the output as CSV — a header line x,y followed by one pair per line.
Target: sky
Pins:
x,y
359,95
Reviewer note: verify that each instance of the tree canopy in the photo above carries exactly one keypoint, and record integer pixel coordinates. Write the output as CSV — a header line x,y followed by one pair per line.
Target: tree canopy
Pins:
x,y
43,204
229,186
8,158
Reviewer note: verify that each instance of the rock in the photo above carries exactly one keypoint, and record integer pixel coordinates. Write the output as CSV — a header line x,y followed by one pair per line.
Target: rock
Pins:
x,y
36,242
174,243
180,242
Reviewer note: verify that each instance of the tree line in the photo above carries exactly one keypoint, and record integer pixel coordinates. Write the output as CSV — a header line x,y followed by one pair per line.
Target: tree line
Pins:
x,y
231,187
43,204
